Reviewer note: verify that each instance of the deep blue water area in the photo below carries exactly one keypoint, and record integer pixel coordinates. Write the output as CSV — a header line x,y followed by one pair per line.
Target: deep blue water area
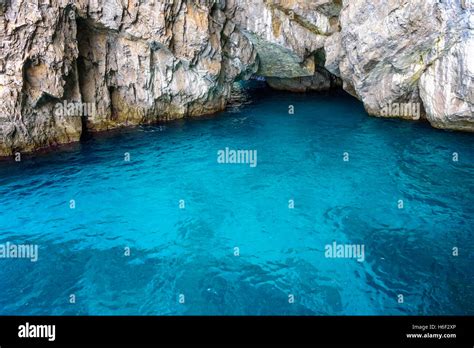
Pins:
x,y
237,239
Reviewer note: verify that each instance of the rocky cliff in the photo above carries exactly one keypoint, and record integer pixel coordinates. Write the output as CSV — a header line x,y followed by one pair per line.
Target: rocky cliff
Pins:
x,y
417,51
140,61
132,61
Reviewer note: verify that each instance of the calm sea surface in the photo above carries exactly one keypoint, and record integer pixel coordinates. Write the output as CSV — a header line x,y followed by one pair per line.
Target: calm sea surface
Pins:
x,y
236,209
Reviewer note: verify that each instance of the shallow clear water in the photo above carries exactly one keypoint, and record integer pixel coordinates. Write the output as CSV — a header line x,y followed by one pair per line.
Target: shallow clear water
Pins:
x,y
282,251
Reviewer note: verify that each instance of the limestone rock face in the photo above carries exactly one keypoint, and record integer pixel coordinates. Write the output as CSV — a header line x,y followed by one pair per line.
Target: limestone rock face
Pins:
x,y
411,52
37,68
159,59
128,61
289,36
447,86
321,80
69,66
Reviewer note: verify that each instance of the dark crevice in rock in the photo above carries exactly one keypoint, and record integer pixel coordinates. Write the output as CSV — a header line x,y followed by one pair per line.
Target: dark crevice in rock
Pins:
x,y
80,65
3,7
81,68
113,95
320,57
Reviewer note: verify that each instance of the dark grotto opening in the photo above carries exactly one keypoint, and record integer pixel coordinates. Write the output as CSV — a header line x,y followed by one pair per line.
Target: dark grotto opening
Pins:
x,y
84,66
85,134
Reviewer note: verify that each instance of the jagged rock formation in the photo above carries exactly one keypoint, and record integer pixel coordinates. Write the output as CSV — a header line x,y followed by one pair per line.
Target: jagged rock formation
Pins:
x,y
133,61
447,85
139,61
417,51
289,37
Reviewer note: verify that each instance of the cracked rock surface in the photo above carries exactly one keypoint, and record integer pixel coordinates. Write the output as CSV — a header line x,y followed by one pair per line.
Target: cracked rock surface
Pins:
x,y
141,61
133,61
417,51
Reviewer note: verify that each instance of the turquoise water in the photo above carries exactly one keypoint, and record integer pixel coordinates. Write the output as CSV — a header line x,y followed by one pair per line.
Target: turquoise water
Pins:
x,y
191,251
